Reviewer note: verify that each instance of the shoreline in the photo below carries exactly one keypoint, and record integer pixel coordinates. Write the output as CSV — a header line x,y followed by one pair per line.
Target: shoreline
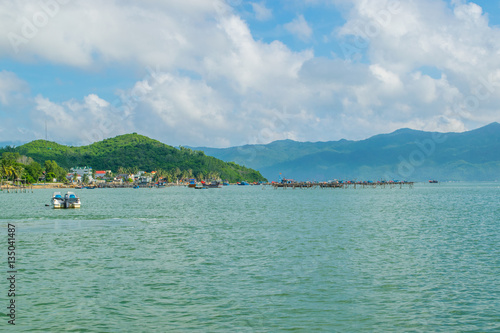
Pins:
x,y
63,186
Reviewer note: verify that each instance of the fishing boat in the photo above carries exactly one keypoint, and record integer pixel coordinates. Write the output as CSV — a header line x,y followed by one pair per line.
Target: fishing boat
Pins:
x,y
192,183
433,181
57,200
243,183
71,200
213,184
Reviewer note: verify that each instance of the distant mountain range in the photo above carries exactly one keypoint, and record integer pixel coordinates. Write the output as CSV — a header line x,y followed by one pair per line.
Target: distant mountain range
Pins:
x,y
405,154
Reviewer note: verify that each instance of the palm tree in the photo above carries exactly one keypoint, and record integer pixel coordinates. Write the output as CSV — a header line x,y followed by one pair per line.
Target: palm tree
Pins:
x,y
17,171
8,170
177,172
185,175
160,173
199,176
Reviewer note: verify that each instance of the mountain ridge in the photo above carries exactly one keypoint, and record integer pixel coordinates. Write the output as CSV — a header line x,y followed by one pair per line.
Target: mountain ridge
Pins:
x,y
471,155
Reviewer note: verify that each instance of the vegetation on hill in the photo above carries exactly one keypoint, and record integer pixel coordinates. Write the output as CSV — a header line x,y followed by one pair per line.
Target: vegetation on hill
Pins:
x,y
136,152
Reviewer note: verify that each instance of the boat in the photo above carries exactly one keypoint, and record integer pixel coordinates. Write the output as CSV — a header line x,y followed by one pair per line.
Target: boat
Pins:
x,y
57,200
136,186
243,183
213,184
433,181
71,200
192,183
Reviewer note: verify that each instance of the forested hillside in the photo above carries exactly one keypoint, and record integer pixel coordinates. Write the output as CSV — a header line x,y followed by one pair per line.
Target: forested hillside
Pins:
x,y
138,152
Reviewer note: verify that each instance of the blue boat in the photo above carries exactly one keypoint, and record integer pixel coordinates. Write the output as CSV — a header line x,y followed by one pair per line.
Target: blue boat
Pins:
x,y
243,183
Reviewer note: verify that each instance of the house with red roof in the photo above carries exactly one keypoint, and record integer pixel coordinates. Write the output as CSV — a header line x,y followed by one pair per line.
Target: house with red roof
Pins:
x,y
101,174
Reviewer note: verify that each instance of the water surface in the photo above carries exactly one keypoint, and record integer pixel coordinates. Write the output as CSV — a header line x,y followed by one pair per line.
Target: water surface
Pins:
x,y
253,259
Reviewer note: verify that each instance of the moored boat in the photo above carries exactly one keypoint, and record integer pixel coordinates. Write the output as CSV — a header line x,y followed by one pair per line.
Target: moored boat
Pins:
x,y
57,200
213,184
71,200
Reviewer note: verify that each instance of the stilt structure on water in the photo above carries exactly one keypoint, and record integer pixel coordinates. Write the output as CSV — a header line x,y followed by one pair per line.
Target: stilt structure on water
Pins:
x,y
18,186
343,185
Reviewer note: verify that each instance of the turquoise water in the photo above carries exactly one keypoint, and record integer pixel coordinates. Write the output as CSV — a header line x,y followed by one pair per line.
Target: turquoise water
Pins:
x,y
248,259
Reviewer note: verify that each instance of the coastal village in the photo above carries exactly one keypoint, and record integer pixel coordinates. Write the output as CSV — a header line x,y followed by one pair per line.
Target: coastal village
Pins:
x,y
87,175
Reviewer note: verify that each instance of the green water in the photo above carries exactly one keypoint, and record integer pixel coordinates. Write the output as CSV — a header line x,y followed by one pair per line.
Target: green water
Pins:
x,y
247,259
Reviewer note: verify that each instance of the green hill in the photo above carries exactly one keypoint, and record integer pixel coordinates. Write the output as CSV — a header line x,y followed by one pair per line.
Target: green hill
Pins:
x,y
136,151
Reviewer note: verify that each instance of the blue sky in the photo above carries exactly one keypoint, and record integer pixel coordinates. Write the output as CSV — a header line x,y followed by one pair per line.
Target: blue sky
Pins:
x,y
224,73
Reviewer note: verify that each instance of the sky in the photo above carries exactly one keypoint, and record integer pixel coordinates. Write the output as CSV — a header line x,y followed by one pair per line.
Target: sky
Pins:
x,y
223,73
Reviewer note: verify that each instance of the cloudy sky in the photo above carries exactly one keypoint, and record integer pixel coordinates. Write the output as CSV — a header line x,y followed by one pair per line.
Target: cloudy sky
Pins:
x,y
230,72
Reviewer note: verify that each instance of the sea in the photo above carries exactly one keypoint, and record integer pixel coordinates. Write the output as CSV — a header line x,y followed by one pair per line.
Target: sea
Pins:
x,y
254,259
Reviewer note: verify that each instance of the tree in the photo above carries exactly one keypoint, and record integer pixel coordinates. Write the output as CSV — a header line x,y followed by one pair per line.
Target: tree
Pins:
x,y
52,167
34,169
177,173
17,171
50,177
10,158
85,179
8,170
169,175
200,176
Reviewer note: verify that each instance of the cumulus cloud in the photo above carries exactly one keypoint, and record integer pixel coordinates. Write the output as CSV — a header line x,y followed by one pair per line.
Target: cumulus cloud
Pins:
x,y
425,65
300,28
11,88
400,38
262,13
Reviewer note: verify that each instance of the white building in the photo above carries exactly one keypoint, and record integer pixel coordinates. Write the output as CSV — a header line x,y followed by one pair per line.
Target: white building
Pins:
x,y
83,171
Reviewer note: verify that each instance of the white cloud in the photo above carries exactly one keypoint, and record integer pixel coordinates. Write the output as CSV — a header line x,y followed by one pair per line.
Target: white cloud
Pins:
x,y
11,88
240,90
300,28
262,13
458,42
